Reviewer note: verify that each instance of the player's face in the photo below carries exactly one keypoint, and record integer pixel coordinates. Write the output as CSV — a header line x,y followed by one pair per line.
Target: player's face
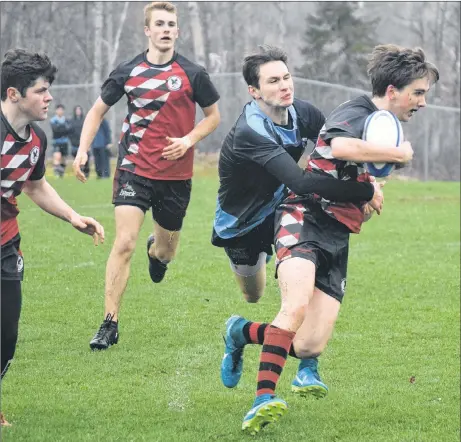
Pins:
x,y
275,85
410,99
34,105
163,30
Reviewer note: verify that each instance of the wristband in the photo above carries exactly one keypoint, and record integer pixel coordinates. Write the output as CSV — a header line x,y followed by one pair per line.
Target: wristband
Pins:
x,y
187,142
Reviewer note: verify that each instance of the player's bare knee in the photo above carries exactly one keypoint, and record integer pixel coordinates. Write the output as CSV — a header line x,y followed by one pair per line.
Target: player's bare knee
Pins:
x,y
304,353
124,246
308,347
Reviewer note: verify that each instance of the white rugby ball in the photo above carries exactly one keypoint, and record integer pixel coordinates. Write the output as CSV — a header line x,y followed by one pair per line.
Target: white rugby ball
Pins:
x,y
382,127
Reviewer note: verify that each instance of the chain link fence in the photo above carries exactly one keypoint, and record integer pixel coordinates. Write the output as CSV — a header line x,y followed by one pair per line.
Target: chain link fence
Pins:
x,y
434,132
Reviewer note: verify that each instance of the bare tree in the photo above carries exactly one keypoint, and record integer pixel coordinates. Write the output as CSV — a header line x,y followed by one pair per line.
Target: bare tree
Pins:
x,y
97,60
197,33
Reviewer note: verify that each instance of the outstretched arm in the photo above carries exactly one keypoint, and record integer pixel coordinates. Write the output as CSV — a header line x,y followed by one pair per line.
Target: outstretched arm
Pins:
x,y
44,195
303,182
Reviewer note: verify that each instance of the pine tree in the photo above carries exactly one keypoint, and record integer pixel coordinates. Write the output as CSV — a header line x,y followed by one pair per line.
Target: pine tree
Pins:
x,y
338,42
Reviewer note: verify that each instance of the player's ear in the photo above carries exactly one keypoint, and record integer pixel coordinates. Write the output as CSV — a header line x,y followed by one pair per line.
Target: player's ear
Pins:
x,y
391,92
254,92
13,94
146,31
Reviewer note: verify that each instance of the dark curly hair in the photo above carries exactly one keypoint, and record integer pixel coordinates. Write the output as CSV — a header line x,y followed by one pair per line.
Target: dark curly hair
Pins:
x,y
21,69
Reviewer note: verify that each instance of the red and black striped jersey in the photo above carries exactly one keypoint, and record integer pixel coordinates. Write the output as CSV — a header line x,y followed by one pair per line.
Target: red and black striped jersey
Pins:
x,y
161,103
347,120
22,160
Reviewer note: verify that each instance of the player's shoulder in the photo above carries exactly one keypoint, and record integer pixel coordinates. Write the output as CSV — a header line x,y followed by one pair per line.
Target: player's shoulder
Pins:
x,y
361,105
252,124
308,115
39,132
305,108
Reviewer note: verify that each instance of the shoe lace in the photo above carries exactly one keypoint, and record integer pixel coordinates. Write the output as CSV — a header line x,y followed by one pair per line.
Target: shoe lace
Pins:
x,y
104,326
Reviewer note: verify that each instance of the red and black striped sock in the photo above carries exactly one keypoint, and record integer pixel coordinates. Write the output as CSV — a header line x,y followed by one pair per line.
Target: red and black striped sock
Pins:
x,y
254,334
274,355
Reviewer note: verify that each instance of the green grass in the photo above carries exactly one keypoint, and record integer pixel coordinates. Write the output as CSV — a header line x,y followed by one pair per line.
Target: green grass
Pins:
x,y
161,382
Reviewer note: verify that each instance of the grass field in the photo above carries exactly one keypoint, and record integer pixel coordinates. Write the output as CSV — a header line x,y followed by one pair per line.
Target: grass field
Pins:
x,y
400,319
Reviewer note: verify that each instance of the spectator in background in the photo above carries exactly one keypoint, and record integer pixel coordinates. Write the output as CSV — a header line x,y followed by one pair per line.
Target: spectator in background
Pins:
x,y
100,148
76,125
61,129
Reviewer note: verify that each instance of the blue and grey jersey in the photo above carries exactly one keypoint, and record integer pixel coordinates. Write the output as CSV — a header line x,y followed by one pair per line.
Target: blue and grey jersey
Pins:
x,y
249,190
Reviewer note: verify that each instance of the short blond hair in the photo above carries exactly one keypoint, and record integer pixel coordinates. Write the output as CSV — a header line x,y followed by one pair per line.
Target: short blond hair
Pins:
x,y
157,6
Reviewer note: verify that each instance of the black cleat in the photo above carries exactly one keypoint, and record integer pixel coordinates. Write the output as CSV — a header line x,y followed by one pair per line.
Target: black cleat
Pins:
x,y
106,336
157,269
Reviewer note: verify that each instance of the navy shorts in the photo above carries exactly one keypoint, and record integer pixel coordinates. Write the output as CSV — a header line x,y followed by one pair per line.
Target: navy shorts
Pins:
x,y
245,250
305,231
168,199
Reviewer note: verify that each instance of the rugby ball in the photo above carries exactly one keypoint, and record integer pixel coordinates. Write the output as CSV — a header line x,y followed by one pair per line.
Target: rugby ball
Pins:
x,y
382,127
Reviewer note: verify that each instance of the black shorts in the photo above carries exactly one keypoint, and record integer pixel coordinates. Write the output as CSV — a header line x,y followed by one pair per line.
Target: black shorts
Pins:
x,y
167,198
245,250
305,231
61,147
12,260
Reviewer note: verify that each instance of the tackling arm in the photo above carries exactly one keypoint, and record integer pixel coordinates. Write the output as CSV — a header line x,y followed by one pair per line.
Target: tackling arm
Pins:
x,y
303,182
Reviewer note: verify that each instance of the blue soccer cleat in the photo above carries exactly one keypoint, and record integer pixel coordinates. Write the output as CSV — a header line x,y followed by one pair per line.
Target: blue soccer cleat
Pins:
x,y
267,409
232,362
307,380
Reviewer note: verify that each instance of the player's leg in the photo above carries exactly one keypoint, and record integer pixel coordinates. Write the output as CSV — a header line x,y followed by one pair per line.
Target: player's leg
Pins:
x,y
11,310
296,281
12,270
310,341
169,206
131,200
322,312
248,263
249,268
128,222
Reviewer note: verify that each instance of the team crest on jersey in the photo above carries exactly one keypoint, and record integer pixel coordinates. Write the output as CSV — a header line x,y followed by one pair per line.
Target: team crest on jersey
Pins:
x,y
174,83
20,264
34,155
